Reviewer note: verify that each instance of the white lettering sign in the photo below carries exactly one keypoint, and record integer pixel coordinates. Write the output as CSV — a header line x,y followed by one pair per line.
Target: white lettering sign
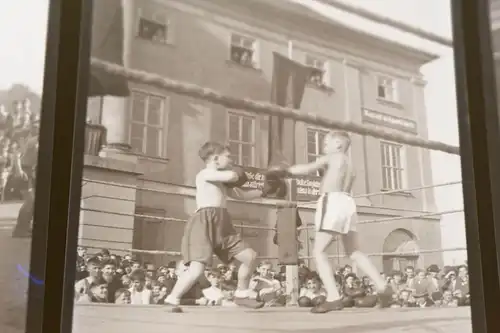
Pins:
x,y
389,120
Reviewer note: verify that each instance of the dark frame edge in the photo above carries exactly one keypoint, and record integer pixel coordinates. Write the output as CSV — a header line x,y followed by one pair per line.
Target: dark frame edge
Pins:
x,y
475,86
60,166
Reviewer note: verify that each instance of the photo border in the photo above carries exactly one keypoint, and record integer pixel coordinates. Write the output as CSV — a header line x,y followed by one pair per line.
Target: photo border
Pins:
x,y
479,121
60,167
60,163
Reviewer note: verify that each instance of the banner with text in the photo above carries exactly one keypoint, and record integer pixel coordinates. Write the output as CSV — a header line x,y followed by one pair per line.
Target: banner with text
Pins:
x,y
304,188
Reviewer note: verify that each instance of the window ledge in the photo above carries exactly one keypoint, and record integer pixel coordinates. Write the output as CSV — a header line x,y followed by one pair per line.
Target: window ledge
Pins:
x,y
390,103
398,194
322,87
168,43
162,160
235,64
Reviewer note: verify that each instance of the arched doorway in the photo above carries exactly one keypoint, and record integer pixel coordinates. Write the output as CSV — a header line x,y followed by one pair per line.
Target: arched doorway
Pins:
x,y
401,250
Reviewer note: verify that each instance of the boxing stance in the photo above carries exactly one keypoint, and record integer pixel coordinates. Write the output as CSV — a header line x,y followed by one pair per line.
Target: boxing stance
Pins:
x,y
210,230
335,215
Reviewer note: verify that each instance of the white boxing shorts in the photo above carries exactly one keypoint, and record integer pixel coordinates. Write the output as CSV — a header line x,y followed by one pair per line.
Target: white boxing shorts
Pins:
x,y
336,212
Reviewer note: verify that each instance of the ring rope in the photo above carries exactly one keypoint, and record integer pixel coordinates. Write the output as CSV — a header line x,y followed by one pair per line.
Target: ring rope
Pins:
x,y
260,107
411,189
375,254
160,252
379,193
396,218
402,254
169,219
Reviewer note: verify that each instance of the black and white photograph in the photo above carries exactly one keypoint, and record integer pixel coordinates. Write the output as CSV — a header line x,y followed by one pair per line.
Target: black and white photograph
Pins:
x,y
247,165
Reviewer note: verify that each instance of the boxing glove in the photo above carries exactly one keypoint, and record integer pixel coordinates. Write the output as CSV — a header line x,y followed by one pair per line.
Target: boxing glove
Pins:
x,y
277,172
242,178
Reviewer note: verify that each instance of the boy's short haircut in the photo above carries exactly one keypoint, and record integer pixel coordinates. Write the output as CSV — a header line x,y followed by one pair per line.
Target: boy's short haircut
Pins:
x,y
110,262
94,261
97,283
120,292
211,148
138,275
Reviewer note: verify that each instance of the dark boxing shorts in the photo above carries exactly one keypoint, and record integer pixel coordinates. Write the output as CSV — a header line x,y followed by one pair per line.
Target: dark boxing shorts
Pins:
x,y
210,231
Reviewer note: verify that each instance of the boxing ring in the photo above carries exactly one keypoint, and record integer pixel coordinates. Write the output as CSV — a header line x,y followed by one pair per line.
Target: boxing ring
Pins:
x,y
106,318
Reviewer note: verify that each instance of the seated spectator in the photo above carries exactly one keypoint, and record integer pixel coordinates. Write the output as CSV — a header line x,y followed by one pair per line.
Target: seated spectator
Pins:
x,y
213,295
81,266
368,286
267,288
97,292
448,300
409,275
135,265
150,271
158,293
104,255
397,283
122,296
232,273
313,294
171,271
421,289
126,281
140,295
93,267
404,299
351,290
463,285
109,275
435,285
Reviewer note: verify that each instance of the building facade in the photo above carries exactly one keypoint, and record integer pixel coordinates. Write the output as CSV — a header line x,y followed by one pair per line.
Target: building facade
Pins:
x,y
228,46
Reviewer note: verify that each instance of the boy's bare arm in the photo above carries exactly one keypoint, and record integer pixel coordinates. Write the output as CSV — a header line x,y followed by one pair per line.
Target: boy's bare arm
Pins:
x,y
305,169
219,176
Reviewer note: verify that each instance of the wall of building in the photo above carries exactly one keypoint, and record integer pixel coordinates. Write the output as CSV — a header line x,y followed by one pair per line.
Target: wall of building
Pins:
x,y
198,51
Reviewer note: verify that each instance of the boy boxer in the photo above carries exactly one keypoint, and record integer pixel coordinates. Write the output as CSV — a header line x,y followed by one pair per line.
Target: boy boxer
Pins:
x,y
335,215
210,230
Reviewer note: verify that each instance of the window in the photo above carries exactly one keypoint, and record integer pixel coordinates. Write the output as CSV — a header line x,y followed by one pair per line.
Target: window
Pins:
x,y
243,50
392,155
315,139
241,129
386,89
147,123
319,71
155,28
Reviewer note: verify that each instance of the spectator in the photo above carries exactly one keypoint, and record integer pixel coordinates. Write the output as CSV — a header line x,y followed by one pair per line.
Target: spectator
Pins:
x,y
93,272
122,296
266,287
113,282
313,293
109,274
397,283
140,295
97,293
351,291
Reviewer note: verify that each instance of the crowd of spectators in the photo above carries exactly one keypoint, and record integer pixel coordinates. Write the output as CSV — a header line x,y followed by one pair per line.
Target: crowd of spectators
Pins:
x,y
108,278
17,125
